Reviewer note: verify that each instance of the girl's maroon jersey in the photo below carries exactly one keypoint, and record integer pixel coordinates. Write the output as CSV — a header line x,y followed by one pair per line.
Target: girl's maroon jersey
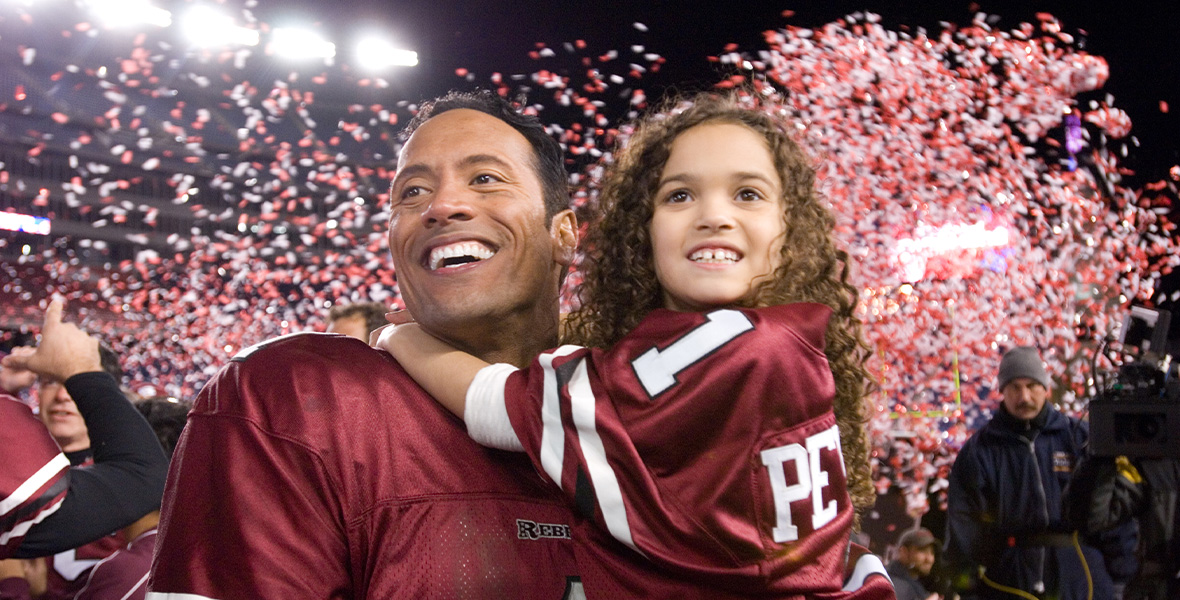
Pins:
x,y
312,466
705,443
34,474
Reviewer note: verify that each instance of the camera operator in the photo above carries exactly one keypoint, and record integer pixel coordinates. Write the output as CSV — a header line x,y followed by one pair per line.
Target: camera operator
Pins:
x,y
1131,471
1108,492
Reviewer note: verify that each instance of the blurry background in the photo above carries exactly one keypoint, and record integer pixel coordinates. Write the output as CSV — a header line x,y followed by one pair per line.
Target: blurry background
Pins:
x,y
195,177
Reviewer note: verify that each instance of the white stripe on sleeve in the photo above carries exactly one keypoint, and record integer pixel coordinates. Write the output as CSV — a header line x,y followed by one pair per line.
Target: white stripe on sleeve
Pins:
x,y
176,596
22,493
552,431
20,529
606,485
866,565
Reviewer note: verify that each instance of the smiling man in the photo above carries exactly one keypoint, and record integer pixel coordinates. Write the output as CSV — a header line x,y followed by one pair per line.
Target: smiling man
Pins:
x,y
314,467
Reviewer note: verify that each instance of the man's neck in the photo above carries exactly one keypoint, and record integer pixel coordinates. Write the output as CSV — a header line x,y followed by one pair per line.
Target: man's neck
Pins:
x,y
518,350
515,340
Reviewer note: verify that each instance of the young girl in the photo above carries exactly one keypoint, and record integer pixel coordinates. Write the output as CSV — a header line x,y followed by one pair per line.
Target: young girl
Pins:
x,y
712,417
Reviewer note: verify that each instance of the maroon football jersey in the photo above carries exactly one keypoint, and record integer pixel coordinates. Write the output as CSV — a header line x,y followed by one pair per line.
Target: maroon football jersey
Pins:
x,y
312,466
122,575
705,443
68,570
34,474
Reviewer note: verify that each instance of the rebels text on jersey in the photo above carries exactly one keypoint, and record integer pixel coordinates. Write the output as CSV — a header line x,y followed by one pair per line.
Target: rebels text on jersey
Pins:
x,y
34,475
314,467
704,442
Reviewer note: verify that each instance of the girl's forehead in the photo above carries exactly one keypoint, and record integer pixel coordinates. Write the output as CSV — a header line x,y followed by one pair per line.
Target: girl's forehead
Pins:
x,y
719,144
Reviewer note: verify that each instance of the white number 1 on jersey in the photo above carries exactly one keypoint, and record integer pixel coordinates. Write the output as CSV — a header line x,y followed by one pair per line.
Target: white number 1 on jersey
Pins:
x,y
657,369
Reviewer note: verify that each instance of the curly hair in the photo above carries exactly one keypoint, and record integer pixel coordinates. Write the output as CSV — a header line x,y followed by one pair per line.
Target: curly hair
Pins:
x,y
620,285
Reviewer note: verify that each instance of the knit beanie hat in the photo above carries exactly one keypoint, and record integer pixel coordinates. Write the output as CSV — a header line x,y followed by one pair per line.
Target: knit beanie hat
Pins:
x,y
1024,361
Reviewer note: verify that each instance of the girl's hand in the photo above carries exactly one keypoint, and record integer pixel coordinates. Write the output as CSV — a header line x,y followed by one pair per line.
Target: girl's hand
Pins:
x,y
383,338
399,317
395,318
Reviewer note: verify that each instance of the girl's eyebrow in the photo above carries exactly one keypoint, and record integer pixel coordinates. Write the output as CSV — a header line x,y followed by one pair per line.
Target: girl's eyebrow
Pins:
x,y
738,176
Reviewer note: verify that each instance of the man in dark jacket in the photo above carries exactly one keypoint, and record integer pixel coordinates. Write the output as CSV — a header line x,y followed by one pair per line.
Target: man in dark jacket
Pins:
x,y
1006,537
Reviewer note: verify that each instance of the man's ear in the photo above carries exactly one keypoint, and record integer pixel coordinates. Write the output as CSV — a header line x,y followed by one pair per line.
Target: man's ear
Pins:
x,y
563,230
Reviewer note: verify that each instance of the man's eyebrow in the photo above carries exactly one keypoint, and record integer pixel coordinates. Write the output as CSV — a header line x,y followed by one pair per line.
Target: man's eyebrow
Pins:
x,y
410,171
479,159
467,161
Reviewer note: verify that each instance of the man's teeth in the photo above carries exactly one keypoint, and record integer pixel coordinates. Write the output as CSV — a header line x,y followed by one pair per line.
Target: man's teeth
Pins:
x,y
714,255
457,254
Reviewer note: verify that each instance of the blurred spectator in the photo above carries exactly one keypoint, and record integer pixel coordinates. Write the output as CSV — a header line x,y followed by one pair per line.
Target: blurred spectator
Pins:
x,y
356,320
915,558
71,506
67,570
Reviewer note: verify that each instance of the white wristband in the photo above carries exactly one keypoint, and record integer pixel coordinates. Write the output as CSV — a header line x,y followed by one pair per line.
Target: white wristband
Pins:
x,y
486,413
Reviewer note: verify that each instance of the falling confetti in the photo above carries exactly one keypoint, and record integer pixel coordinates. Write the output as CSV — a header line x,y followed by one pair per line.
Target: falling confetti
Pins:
x,y
943,156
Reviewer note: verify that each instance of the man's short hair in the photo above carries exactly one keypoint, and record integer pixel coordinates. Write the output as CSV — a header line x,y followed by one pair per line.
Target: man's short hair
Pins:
x,y
548,160
372,312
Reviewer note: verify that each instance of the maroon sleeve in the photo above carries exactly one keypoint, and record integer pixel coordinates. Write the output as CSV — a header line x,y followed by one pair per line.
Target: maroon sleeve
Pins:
x,y
248,513
122,575
33,474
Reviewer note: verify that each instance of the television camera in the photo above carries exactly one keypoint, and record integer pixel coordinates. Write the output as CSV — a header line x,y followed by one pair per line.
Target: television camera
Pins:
x,y
1137,412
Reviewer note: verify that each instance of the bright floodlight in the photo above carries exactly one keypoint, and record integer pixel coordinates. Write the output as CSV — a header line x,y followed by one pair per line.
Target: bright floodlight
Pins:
x,y
122,13
206,27
300,44
375,53
26,223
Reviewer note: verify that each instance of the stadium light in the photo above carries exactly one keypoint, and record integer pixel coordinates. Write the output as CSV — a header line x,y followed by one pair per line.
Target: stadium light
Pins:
x,y
300,44
207,27
375,53
912,254
126,13
10,221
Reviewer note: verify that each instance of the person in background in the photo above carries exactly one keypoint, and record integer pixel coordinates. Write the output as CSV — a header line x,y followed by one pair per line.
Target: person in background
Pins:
x,y
915,558
356,320
66,570
1006,535
123,575
1107,493
49,506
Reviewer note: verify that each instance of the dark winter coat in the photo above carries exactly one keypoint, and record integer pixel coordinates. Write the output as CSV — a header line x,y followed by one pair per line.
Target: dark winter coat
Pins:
x,y
1005,513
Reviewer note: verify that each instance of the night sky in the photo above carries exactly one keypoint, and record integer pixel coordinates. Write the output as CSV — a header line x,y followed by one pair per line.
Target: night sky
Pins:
x,y
1139,43
1137,39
